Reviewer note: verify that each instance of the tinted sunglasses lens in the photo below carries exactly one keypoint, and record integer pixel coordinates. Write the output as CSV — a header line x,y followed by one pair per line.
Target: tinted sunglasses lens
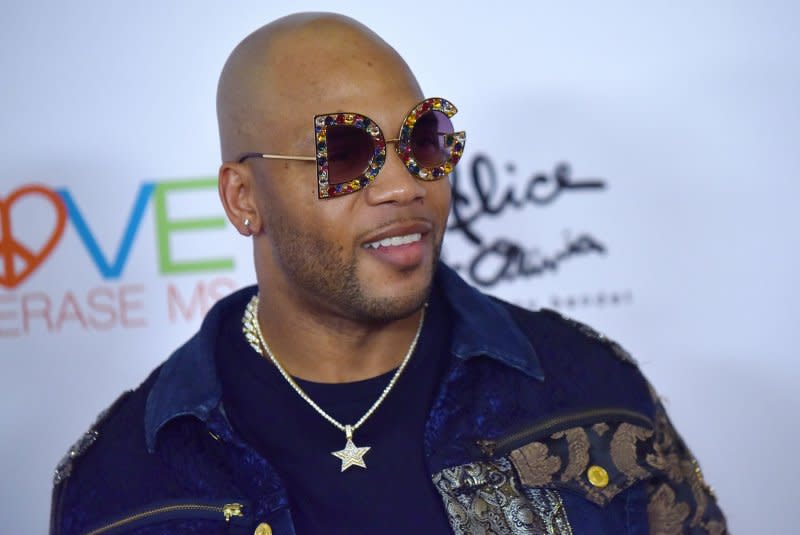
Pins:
x,y
428,136
350,151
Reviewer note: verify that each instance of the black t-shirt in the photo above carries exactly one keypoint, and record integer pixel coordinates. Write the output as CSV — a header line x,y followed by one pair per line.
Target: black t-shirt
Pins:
x,y
394,494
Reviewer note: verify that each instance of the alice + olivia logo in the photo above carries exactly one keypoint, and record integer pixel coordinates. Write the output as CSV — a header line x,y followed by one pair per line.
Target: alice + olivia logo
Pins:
x,y
479,196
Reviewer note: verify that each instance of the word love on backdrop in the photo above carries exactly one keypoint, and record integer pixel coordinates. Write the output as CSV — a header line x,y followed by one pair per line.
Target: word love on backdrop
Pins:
x,y
119,301
479,198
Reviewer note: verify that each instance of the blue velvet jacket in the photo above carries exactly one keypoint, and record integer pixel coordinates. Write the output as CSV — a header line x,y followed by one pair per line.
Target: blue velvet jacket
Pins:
x,y
541,425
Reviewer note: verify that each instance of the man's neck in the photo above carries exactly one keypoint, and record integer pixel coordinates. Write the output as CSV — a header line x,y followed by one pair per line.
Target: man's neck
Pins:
x,y
329,348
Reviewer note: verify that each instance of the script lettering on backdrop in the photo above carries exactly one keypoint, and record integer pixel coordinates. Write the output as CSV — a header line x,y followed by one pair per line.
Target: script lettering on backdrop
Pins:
x,y
480,196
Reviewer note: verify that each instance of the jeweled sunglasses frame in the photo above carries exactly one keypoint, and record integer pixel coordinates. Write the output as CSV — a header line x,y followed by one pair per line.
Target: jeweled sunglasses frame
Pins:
x,y
453,141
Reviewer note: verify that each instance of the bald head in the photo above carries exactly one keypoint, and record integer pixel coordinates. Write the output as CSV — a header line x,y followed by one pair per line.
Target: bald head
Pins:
x,y
284,73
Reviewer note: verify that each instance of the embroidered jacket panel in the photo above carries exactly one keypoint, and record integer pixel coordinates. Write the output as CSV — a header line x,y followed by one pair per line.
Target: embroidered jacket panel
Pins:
x,y
541,425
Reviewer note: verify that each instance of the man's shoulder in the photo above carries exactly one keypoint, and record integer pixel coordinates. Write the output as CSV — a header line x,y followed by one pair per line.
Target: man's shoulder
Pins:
x,y
548,329
523,339
583,378
122,410
108,462
116,453
581,367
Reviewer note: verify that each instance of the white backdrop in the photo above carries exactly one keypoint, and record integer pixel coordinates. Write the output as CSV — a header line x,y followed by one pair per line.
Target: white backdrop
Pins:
x,y
672,227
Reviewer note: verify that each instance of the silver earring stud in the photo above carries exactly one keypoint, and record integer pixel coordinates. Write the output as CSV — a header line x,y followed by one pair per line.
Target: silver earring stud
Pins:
x,y
247,225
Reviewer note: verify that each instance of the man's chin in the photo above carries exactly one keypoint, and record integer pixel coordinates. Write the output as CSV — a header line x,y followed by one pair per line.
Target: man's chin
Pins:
x,y
389,294
391,302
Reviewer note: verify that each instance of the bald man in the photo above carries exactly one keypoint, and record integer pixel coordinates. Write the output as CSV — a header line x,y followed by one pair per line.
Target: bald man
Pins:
x,y
362,387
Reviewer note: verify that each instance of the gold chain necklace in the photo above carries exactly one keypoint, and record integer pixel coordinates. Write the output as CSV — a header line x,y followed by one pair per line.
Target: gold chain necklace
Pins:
x,y
351,455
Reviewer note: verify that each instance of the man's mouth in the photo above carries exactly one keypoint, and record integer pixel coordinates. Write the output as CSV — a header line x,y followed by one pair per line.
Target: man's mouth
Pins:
x,y
394,241
402,245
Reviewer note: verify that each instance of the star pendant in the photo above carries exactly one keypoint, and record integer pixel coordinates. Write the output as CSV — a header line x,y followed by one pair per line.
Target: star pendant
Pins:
x,y
351,455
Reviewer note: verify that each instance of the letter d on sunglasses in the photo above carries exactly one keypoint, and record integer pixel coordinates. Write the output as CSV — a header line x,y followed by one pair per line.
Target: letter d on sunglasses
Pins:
x,y
351,148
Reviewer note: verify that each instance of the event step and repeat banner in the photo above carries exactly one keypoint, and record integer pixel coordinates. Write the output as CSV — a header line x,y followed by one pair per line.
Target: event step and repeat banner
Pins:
x,y
635,167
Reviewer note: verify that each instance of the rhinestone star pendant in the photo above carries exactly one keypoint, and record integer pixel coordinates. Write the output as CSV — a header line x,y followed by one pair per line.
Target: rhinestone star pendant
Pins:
x,y
351,455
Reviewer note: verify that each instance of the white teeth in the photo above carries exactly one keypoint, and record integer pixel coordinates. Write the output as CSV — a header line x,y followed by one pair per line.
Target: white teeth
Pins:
x,y
394,241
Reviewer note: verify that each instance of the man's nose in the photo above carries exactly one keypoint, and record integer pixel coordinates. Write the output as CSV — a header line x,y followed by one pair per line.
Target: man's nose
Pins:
x,y
394,184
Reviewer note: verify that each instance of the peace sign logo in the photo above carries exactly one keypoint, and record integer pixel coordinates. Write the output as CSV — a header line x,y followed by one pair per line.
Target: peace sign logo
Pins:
x,y
11,248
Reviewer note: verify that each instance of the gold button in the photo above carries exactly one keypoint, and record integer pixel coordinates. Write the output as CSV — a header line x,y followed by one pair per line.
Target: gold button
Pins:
x,y
263,529
597,476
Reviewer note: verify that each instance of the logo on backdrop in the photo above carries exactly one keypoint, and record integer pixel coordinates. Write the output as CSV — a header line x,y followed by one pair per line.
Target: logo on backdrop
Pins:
x,y
505,258
114,304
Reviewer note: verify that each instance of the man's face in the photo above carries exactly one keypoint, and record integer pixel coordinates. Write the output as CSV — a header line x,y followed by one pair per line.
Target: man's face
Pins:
x,y
324,250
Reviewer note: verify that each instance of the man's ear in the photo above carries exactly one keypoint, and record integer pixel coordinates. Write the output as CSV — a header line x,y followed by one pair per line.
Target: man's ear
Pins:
x,y
237,191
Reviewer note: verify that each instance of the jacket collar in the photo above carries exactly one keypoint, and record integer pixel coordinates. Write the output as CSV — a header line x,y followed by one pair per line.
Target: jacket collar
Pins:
x,y
188,383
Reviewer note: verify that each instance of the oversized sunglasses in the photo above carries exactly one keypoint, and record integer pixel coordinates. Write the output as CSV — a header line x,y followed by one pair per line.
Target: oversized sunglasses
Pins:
x,y
351,148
